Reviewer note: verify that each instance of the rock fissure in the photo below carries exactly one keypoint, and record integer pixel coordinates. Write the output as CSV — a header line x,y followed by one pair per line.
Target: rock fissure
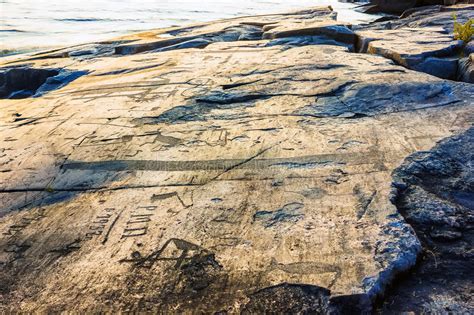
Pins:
x,y
23,82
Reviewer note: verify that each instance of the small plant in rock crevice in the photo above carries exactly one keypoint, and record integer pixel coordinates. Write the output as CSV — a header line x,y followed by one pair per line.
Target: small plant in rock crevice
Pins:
x,y
464,31
49,189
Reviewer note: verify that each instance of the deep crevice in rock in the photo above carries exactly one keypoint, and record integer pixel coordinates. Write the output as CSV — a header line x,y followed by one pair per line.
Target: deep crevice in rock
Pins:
x,y
24,82
19,83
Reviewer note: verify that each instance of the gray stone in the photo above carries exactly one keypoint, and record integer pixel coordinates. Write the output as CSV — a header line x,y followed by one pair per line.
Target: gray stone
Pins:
x,y
193,43
239,177
438,201
445,68
390,6
422,40
466,69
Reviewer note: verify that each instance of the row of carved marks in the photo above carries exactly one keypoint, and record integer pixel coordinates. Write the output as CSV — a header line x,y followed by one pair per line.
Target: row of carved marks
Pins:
x,y
138,222
102,226
109,217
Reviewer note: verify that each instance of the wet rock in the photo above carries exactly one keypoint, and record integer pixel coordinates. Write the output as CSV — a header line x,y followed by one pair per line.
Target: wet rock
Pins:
x,y
338,32
194,43
196,37
21,94
433,16
445,68
83,52
308,40
429,50
136,48
63,78
322,22
239,32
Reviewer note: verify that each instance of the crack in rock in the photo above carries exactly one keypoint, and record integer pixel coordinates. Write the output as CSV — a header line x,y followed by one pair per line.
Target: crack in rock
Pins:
x,y
24,82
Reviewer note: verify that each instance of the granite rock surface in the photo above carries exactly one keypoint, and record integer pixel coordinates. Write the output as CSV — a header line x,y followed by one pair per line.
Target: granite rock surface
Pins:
x,y
422,40
236,166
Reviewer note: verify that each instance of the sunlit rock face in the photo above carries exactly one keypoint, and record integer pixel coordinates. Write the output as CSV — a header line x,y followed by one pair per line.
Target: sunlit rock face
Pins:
x,y
423,40
200,170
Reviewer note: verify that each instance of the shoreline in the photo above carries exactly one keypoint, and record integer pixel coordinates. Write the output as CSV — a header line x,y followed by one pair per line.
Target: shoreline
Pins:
x,y
55,42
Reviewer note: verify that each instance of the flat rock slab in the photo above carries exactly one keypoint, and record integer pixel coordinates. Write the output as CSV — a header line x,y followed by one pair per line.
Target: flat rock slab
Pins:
x,y
421,40
430,50
235,177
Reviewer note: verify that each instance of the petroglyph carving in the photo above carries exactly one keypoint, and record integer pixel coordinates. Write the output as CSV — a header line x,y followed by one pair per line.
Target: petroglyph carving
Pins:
x,y
307,267
291,212
137,224
174,249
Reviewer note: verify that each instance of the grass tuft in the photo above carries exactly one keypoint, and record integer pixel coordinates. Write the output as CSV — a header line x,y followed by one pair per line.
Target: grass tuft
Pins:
x,y
464,31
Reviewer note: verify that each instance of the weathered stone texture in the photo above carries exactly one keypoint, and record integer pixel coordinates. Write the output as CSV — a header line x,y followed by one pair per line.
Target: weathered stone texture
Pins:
x,y
231,177
422,40
435,193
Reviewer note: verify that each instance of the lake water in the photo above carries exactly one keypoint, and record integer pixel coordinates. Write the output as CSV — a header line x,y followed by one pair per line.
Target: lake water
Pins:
x,y
28,25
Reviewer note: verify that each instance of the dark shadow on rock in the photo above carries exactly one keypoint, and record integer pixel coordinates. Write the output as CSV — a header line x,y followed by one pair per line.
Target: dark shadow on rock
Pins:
x,y
365,99
17,262
436,196
288,298
206,107
230,34
24,82
67,185
396,7
297,41
192,279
